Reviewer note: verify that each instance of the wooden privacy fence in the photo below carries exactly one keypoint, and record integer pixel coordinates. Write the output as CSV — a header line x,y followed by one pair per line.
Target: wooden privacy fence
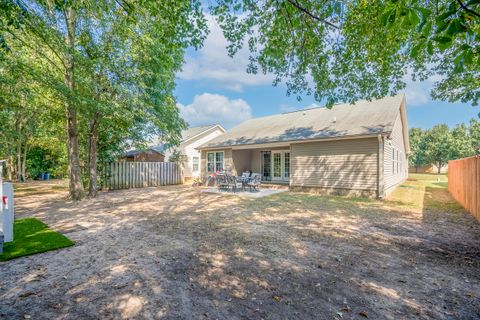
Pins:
x,y
464,183
126,175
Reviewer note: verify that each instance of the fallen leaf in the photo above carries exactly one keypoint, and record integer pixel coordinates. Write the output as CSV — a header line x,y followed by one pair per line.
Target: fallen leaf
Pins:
x,y
277,298
363,314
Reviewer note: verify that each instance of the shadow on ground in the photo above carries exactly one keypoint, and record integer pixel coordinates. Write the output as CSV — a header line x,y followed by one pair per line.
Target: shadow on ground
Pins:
x,y
174,252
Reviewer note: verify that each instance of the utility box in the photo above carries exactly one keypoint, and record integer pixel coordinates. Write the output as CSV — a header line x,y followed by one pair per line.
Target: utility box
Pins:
x,y
7,216
6,210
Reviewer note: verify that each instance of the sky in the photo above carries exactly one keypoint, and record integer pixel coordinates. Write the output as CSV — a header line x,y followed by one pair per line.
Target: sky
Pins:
x,y
214,88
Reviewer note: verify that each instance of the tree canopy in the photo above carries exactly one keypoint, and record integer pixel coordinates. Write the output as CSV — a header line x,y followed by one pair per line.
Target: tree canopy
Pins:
x,y
440,144
104,69
348,50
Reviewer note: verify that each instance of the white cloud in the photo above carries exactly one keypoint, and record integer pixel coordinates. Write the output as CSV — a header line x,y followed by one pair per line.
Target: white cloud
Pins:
x,y
213,63
418,92
209,108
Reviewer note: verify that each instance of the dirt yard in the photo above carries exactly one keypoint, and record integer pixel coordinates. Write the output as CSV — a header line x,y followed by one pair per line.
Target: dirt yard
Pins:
x,y
177,253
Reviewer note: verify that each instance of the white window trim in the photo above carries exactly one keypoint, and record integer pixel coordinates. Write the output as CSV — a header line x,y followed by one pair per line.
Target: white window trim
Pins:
x,y
215,160
197,163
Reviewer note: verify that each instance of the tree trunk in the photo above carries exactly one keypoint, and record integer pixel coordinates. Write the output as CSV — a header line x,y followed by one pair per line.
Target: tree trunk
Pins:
x,y
74,170
92,157
10,168
439,167
19,161
416,169
24,161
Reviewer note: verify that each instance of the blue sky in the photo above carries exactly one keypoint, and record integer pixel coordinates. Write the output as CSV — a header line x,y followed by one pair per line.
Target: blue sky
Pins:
x,y
214,88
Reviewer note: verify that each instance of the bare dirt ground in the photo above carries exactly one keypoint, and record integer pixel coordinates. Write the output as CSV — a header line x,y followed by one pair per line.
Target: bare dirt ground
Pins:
x,y
178,253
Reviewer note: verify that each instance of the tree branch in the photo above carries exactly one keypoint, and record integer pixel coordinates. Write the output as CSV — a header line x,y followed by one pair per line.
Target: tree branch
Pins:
x,y
311,15
464,7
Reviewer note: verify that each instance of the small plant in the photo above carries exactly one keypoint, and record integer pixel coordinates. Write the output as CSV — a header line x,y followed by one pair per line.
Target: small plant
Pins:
x,y
197,181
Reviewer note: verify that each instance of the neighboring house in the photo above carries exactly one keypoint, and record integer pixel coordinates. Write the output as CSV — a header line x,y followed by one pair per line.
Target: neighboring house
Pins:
x,y
356,149
151,154
431,168
192,138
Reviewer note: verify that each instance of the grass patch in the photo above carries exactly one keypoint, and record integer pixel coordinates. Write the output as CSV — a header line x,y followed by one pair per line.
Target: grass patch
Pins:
x,y
31,236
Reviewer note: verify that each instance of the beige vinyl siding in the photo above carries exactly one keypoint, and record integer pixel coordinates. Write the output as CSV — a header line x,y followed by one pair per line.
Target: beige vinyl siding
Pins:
x,y
343,164
242,161
395,160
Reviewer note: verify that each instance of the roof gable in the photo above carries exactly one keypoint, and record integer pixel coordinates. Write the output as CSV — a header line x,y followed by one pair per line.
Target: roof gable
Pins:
x,y
192,132
362,118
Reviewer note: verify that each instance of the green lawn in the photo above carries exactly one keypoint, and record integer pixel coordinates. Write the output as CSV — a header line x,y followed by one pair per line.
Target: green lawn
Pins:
x,y
31,236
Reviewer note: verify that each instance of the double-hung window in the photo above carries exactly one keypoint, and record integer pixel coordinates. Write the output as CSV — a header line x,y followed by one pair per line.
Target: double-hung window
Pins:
x,y
195,162
215,161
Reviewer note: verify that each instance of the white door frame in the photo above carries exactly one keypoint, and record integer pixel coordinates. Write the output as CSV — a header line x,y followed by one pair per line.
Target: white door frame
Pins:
x,y
282,165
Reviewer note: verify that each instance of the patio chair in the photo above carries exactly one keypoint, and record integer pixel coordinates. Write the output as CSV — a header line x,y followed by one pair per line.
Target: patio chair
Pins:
x,y
255,182
234,183
222,181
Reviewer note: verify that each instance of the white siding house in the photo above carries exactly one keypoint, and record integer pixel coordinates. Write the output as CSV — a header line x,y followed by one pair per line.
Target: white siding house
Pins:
x,y
191,139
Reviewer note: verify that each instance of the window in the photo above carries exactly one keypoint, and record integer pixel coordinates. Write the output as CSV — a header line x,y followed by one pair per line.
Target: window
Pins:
x,y
398,165
393,160
215,161
211,162
195,163
401,163
287,164
219,161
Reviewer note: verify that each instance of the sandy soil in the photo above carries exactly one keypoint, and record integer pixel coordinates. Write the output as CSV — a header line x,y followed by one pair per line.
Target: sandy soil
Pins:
x,y
178,253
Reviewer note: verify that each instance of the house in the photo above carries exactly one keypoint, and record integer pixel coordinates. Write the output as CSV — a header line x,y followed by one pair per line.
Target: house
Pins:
x,y
358,149
192,138
151,154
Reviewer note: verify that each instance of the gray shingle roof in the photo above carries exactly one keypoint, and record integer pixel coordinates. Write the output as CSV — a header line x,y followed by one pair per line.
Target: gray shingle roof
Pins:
x,y
193,131
158,148
362,118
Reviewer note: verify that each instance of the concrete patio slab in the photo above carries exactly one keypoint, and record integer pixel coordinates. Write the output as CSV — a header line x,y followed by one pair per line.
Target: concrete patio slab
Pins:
x,y
247,194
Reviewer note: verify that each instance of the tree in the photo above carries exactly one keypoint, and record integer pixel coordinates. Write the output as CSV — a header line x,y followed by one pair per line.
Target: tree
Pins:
x,y
474,131
111,65
177,156
418,152
462,144
345,51
438,144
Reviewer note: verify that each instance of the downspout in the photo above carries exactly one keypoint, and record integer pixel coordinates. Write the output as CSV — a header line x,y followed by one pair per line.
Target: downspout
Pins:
x,y
380,167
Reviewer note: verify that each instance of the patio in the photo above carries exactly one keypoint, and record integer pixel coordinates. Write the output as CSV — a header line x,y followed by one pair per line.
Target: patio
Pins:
x,y
246,193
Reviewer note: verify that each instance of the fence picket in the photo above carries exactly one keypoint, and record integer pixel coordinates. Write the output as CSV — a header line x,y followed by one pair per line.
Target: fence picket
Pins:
x,y
464,183
125,175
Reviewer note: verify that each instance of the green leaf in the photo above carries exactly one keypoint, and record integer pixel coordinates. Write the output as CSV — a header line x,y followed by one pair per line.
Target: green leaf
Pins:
x,y
430,47
459,62
455,27
415,50
442,39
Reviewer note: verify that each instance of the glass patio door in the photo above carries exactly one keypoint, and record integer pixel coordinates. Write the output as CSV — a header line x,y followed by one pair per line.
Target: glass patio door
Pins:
x,y
280,165
277,169
266,165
